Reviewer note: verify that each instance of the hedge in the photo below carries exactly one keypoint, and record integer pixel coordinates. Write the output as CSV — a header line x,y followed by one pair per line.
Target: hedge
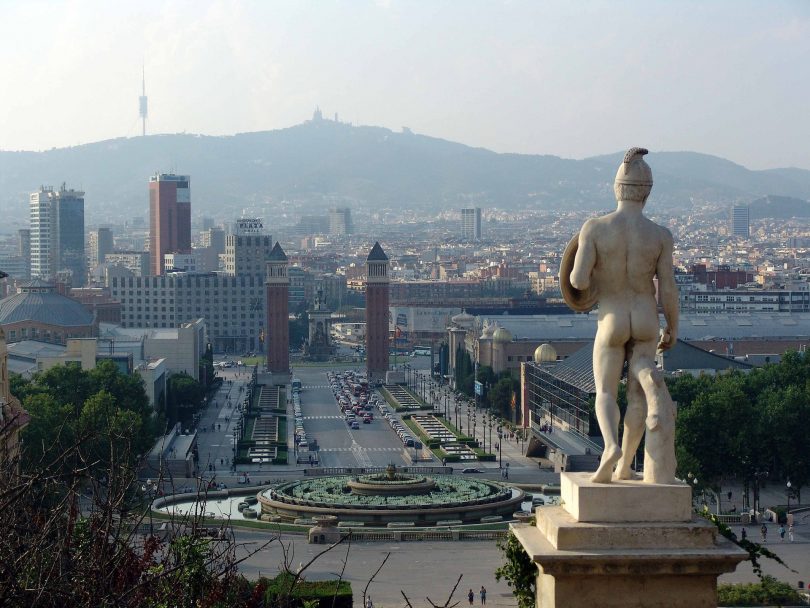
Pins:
x,y
768,592
328,594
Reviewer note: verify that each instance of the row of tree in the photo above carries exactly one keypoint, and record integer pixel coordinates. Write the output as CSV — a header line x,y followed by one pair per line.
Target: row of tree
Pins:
x,y
746,426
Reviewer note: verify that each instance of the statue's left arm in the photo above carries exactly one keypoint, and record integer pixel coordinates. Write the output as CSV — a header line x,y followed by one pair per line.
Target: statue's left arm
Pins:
x,y
667,291
585,259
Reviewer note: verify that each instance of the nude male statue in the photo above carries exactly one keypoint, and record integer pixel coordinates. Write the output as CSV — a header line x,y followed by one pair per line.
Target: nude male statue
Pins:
x,y
615,260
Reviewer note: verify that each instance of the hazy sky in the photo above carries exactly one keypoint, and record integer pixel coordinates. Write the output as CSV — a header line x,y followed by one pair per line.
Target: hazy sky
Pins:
x,y
572,79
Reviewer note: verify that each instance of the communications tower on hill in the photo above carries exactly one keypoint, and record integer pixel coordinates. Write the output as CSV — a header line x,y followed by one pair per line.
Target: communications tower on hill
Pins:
x,y
142,102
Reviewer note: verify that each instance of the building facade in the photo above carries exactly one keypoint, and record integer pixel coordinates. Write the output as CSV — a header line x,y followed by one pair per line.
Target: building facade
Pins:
x,y
57,233
169,217
740,221
136,262
340,221
100,243
471,224
377,298
278,318
232,306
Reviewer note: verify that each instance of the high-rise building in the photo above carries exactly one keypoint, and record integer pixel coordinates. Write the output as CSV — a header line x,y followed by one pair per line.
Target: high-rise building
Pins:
x,y
277,325
377,285
24,243
169,217
100,244
340,221
740,216
247,254
57,233
471,224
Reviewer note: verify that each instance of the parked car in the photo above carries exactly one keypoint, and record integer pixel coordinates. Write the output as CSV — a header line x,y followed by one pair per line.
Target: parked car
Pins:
x,y
472,470
355,425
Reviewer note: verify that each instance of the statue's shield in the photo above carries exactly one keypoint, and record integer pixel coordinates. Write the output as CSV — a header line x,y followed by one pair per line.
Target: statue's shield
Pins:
x,y
580,300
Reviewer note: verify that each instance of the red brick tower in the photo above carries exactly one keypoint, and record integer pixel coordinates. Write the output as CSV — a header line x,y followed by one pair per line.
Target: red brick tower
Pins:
x,y
377,286
278,321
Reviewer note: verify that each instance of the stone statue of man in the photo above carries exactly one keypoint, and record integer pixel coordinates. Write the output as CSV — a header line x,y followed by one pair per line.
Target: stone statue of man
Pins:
x,y
612,263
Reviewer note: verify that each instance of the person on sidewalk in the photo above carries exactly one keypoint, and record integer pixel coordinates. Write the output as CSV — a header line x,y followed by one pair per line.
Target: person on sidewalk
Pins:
x,y
764,532
471,597
483,594
743,534
782,533
790,532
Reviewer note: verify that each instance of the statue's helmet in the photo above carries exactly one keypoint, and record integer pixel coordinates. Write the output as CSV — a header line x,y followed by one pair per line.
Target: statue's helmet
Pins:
x,y
634,171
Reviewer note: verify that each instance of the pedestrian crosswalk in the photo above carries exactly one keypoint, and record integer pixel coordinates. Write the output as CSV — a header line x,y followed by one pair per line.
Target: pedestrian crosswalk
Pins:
x,y
323,417
311,386
360,449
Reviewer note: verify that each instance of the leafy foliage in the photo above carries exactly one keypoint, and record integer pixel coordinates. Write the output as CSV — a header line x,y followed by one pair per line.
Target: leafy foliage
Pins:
x,y
767,592
518,570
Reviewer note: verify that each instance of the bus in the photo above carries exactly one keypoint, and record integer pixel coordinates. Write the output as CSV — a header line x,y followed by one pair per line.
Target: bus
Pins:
x,y
296,385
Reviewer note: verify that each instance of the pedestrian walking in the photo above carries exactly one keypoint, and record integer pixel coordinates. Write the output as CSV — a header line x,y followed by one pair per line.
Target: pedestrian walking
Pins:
x,y
782,533
369,603
471,597
790,532
764,532
743,534
483,594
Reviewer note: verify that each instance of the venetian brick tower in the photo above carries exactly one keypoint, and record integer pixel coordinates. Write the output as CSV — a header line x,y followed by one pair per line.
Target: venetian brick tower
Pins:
x,y
278,322
377,285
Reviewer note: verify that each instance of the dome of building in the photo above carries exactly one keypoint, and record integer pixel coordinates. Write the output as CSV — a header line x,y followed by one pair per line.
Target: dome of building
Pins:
x,y
463,318
545,353
38,301
502,335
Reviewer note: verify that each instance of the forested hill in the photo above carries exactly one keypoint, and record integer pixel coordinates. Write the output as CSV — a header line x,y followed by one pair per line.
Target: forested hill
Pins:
x,y
324,163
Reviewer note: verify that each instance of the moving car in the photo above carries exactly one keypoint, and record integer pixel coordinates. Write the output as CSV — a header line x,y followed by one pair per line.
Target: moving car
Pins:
x,y
472,470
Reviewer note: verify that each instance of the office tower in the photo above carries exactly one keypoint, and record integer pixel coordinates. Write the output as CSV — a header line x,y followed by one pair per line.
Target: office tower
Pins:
x,y
57,233
169,217
278,318
101,243
24,243
471,224
740,221
377,285
340,221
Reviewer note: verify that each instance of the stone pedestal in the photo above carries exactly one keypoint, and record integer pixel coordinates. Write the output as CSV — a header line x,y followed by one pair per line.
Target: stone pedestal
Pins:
x,y
625,544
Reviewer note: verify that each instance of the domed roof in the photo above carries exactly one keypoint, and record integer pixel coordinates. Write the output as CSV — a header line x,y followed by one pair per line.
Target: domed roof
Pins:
x,y
502,335
463,318
37,301
545,353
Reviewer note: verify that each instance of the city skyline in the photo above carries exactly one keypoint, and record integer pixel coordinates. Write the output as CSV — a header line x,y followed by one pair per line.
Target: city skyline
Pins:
x,y
512,77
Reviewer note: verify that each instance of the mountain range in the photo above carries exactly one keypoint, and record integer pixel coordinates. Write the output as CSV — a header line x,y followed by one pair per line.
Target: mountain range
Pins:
x,y
322,163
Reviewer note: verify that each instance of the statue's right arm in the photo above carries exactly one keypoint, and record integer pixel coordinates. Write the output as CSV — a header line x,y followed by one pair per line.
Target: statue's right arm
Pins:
x,y
585,259
667,291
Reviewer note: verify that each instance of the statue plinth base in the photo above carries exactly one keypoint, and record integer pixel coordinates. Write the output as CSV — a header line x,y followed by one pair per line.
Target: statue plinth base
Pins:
x,y
649,562
618,501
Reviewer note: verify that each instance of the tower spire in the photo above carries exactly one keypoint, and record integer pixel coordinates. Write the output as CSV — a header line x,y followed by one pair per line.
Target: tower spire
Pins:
x,y
142,101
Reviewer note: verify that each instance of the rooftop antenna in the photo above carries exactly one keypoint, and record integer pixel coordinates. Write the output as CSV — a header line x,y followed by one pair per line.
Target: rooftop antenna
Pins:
x,y
142,102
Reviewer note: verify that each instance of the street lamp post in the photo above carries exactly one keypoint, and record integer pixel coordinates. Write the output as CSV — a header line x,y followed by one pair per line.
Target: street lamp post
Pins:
x,y
500,448
788,492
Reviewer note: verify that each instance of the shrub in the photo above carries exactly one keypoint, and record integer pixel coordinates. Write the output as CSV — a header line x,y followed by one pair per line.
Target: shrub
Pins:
x,y
768,592
328,594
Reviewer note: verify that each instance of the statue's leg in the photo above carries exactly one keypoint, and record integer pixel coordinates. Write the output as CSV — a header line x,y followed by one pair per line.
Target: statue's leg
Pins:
x,y
659,446
633,424
607,370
